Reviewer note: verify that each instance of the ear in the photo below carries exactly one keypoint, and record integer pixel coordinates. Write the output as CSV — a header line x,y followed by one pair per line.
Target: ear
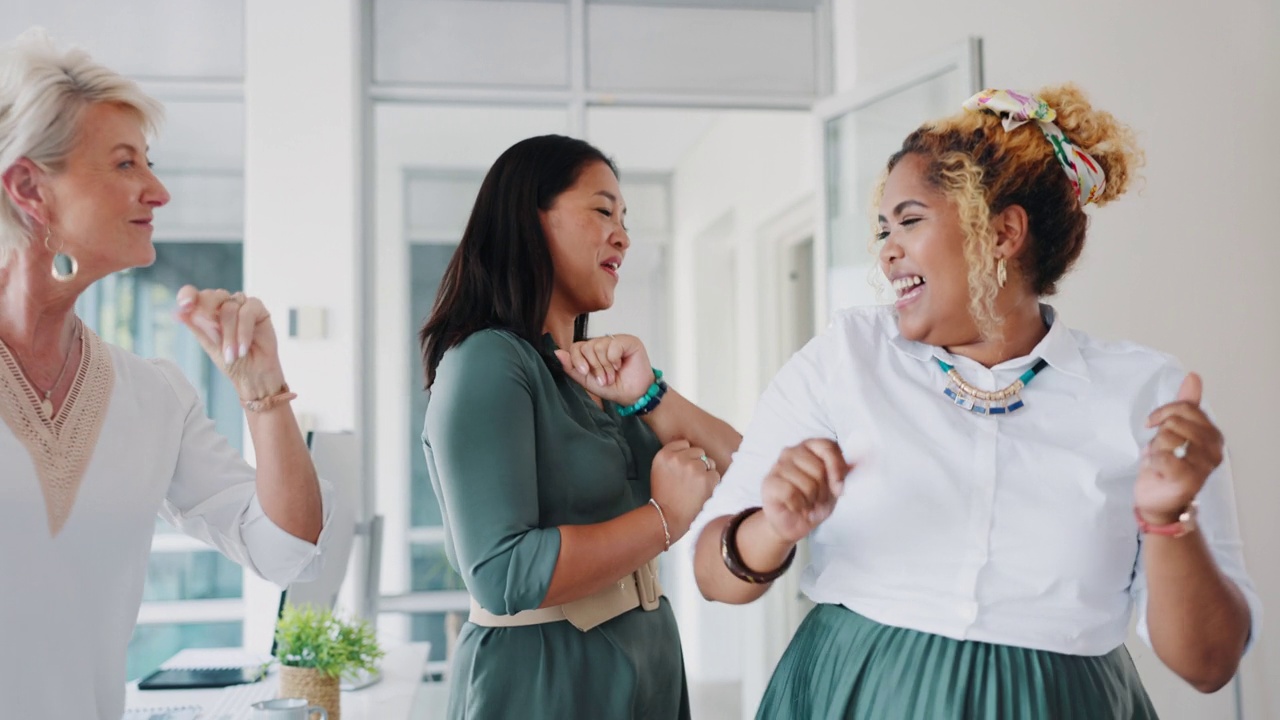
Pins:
x,y
23,184
1012,231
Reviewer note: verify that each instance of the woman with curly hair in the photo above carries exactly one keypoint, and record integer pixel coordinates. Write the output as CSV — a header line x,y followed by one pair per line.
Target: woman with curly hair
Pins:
x,y
988,493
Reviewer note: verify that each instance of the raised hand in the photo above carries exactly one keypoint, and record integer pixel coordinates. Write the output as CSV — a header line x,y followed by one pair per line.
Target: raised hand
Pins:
x,y
801,490
681,480
613,367
1175,465
237,334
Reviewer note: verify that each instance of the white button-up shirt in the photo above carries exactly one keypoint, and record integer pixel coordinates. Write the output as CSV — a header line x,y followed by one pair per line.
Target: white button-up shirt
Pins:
x,y
1014,529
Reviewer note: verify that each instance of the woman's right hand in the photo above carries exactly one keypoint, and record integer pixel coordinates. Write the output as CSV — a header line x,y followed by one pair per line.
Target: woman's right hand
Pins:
x,y
613,367
682,482
801,490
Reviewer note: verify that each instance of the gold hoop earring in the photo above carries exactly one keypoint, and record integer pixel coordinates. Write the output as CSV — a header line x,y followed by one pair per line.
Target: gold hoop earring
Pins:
x,y
64,266
1002,272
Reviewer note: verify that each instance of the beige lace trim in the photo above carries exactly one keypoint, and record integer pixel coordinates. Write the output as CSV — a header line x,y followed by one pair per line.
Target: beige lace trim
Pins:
x,y
60,446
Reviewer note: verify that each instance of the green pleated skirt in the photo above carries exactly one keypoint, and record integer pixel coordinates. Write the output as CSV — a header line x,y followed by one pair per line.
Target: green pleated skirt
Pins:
x,y
842,666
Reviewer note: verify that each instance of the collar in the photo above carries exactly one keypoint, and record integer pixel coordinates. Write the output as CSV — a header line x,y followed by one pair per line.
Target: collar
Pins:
x,y
1058,347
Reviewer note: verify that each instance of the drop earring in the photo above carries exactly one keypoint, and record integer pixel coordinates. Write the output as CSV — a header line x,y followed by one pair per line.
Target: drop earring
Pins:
x,y
64,266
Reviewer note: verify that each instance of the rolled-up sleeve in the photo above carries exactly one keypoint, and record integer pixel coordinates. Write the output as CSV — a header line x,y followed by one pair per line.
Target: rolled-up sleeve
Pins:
x,y
213,497
1217,522
481,443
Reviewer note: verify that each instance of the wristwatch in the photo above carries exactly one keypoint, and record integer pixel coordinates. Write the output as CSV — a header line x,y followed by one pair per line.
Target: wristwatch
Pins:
x,y
1186,523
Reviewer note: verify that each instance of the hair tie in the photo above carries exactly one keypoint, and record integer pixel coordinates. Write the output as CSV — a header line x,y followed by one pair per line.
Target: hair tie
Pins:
x,y
1016,109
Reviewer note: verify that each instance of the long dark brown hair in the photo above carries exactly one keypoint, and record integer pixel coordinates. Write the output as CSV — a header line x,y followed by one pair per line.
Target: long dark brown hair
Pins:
x,y
501,275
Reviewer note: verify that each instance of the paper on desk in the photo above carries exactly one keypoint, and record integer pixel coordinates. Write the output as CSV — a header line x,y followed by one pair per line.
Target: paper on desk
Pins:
x,y
195,658
182,713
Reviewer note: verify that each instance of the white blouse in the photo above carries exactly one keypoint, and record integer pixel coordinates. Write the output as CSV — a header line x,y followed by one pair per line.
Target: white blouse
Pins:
x,y
1014,529
69,600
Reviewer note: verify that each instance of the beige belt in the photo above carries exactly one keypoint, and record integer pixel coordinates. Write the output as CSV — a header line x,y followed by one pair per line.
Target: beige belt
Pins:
x,y
640,589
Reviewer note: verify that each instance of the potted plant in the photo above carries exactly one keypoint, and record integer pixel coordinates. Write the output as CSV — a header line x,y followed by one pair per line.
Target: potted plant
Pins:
x,y
316,649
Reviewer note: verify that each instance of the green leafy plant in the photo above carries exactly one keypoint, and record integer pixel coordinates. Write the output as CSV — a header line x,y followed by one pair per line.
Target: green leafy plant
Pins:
x,y
310,638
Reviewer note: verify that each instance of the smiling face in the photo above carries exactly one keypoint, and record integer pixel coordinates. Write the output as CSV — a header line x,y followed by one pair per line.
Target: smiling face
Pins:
x,y
588,241
922,254
102,201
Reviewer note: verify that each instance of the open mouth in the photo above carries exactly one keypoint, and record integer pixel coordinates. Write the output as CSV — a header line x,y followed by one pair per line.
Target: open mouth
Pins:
x,y
611,267
908,287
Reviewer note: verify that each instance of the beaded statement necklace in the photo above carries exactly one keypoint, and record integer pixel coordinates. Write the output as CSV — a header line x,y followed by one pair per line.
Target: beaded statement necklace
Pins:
x,y
985,402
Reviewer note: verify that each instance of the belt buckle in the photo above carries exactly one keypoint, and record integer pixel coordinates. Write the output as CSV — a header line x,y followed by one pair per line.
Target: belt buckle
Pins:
x,y
646,579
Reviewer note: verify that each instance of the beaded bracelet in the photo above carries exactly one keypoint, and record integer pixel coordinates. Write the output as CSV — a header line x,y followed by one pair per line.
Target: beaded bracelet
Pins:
x,y
649,401
733,560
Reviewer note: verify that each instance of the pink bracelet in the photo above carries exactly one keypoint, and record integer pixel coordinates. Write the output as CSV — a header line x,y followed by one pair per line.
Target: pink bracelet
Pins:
x,y
264,404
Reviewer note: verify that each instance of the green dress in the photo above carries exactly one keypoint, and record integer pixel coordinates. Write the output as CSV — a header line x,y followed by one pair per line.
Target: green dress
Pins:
x,y
513,453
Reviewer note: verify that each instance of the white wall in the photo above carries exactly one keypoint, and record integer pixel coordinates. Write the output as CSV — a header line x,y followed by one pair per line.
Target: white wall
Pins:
x,y
1188,263
302,169
302,174
748,169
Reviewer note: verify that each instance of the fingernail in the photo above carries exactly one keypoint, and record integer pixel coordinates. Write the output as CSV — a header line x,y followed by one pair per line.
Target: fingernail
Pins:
x,y
582,369
600,380
815,516
229,355
244,350
185,302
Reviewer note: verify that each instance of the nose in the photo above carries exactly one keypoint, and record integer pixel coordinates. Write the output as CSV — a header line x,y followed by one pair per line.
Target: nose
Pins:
x,y
890,251
155,194
620,239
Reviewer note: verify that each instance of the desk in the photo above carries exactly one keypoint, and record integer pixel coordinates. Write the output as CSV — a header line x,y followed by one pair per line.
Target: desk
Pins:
x,y
391,698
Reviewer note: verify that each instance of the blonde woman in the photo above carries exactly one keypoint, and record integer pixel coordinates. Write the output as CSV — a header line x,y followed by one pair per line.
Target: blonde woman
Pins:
x,y
94,440
989,494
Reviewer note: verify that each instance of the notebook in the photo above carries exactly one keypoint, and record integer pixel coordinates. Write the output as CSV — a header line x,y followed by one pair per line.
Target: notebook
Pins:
x,y
206,668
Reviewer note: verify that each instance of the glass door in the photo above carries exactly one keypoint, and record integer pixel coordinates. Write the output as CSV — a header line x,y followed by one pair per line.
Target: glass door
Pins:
x,y
859,131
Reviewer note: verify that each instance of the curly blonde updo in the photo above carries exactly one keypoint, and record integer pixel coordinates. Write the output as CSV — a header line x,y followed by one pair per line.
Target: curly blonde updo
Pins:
x,y
984,169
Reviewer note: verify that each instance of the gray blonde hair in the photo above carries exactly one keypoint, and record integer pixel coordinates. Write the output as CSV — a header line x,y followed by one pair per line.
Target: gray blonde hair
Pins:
x,y
44,90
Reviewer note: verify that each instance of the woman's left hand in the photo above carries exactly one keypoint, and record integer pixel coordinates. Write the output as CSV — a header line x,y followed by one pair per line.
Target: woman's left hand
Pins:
x,y
613,367
1175,465
237,334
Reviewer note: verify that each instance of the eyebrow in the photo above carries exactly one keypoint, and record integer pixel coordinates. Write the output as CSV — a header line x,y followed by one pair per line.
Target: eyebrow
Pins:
x,y
127,146
611,197
903,206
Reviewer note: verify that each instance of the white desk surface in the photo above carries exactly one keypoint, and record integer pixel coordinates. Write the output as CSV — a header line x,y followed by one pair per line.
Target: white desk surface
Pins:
x,y
391,698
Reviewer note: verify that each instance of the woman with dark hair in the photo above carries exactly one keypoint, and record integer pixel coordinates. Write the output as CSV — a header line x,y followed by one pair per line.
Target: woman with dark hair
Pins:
x,y
563,465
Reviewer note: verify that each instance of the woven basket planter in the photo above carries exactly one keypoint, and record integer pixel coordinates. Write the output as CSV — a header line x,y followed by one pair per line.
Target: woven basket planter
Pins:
x,y
315,686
